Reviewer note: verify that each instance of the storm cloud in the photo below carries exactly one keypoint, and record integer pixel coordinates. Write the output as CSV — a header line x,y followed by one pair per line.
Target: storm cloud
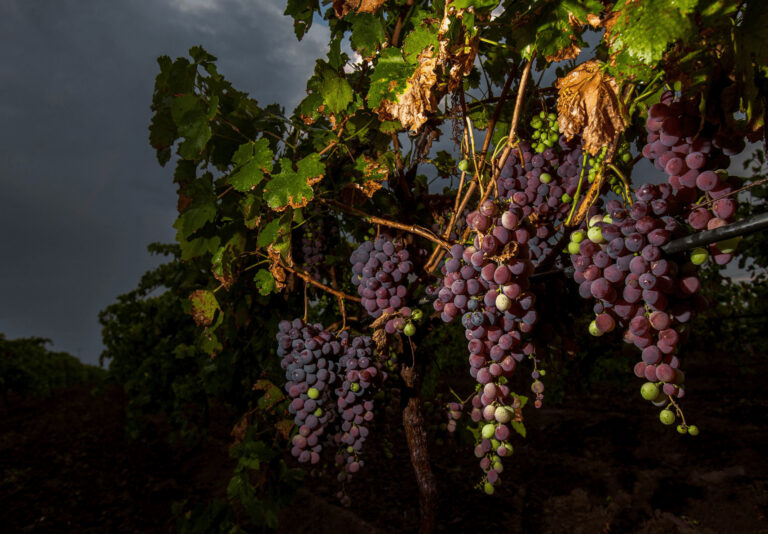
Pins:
x,y
82,192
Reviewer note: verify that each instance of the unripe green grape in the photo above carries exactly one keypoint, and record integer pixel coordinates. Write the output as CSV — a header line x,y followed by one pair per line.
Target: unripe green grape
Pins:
x,y
699,255
594,220
489,430
626,157
498,467
417,314
681,429
409,329
578,236
693,430
729,245
542,115
313,393
536,134
355,387
594,330
502,415
464,165
319,412
566,198
573,247
607,219
545,178
595,234
667,417
649,391
488,488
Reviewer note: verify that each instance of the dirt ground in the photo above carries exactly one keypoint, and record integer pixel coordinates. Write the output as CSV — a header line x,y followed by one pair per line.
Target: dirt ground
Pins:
x,y
597,463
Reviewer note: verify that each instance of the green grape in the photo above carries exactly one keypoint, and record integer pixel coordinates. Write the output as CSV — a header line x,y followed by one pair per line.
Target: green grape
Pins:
x,y
545,178
699,256
681,429
578,236
693,430
667,417
573,247
409,329
649,391
313,393
594,330
464,165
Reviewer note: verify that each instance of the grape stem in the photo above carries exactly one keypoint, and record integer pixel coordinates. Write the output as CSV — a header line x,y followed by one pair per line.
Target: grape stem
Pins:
x,y
511,143
749,186
410,228
304,275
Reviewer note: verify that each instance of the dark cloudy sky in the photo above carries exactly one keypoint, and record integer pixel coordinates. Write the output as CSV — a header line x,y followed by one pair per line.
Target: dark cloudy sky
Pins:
x,y
81,190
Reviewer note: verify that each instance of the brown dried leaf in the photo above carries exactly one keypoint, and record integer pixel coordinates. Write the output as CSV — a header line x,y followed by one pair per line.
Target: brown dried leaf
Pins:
x,y
382,320
276,268
593,20
380,339
284,428
342,7
588,106
510,251
589,199
239,431
419,98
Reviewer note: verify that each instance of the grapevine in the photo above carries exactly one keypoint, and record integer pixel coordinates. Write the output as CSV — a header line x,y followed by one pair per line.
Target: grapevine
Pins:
x,y
349,196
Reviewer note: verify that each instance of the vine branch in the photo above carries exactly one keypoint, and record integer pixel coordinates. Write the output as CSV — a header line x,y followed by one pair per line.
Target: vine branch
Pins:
x,y
410,228
304,275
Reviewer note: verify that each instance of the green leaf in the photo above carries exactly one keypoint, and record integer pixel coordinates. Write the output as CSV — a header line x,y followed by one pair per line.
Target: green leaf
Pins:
x,y
367,34
335,90
389,77
191,114
302,12
420,38
198,247
477,4
269,233
644,30
519,428
291,187
264,281
253,159
194,218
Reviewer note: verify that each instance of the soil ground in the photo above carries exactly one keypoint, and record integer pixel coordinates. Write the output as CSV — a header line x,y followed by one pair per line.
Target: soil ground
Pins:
x,y
597,463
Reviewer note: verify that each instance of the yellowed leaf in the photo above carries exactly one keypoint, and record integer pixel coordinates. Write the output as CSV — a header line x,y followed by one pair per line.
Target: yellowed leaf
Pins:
x,y
588,106
418,100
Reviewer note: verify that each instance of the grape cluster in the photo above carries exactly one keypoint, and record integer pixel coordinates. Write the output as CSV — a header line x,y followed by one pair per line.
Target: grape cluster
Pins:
x,y
693,155
541,186
309,355
331,381
360,376
453,411
486,283
380,271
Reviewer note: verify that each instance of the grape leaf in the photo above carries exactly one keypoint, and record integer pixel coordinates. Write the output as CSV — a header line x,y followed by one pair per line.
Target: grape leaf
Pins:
x,y
389,77
423,36
519,427
294,188
367,34
252,159
269,233
641,32
191,115
265,282
588,106
302,12
335,90
204,306
198,247
342,7
194,218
